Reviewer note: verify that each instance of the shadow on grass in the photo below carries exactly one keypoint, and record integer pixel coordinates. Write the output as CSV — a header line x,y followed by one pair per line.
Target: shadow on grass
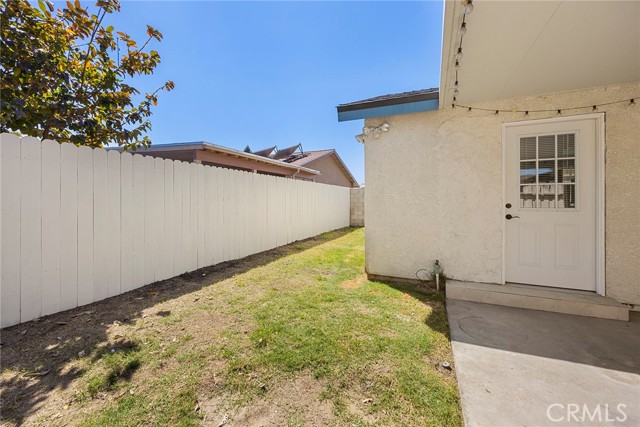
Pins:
x,y
426,294
35,354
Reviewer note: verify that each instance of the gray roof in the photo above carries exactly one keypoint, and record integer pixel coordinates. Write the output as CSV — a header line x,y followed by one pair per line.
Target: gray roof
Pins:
x,y
391,99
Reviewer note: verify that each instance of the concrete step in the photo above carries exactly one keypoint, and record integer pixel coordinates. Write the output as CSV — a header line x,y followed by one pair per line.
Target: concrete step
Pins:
x,y
580,303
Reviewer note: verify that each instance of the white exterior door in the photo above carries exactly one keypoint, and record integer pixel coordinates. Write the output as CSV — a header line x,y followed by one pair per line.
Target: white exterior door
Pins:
x,y
550,210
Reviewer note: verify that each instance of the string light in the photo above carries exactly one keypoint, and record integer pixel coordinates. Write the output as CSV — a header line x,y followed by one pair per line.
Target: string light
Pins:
x,y
559,111
468,7
463,29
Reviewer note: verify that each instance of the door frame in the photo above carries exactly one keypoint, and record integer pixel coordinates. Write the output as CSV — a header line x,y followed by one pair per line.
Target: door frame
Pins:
x,y
599,119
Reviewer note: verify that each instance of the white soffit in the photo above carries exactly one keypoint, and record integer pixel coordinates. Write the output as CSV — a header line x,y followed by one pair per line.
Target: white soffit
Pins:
x,y
518,48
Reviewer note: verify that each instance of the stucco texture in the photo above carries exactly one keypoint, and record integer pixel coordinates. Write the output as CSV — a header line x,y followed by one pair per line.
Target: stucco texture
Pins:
x,y
434,189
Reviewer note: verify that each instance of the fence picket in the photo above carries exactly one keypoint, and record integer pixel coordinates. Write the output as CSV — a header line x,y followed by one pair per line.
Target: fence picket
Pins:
x,y
100,224
138,227
127,215
50,227
10,229
168,219
158,221
114,234
85,225
68,226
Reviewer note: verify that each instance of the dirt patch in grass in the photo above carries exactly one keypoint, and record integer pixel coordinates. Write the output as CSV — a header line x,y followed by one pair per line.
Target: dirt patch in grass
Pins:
x,y
295,336
354,283
295,401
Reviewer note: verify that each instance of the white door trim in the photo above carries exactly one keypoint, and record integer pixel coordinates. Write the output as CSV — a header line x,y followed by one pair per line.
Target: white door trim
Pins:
x,y
600,197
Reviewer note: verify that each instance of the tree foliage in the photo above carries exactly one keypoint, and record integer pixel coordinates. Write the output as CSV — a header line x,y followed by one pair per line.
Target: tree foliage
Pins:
x,y
247,149
65,75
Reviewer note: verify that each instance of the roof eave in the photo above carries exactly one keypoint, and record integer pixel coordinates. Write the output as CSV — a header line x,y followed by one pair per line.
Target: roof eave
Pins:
x,y
395,109
231,151
203,145
452,14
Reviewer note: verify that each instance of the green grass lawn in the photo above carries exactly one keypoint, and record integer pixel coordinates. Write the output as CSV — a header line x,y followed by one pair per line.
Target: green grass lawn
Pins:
x,y
295,336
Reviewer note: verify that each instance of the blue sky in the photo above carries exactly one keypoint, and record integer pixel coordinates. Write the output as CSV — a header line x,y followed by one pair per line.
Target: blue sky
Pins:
x,y
271,73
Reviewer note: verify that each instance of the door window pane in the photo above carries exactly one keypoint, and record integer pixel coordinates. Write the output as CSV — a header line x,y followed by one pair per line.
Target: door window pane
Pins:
x,y
528,148
567,170
548,171
547,147
567,196
547,196
527,196
566,145
527,172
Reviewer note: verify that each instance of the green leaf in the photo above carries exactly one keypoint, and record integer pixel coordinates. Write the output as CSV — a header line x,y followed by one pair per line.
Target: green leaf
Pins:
x,y
109,28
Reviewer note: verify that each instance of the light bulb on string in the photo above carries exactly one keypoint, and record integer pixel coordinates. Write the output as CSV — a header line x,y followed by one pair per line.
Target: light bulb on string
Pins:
x,y
462,30
468,7
459,55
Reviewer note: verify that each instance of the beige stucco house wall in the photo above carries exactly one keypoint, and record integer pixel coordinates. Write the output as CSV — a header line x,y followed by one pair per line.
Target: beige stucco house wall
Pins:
x,y
435,189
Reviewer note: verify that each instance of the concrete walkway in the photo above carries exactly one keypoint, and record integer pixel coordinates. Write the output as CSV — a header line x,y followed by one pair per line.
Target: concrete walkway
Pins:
x,y
518,367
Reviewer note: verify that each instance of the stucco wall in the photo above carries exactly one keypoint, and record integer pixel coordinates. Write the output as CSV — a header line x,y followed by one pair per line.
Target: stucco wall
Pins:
x,y
434,189
331,172
357,207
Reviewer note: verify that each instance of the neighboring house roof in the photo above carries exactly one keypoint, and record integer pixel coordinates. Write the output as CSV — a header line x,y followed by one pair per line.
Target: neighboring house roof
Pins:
x,y
207,146
308,157
390,105
311,156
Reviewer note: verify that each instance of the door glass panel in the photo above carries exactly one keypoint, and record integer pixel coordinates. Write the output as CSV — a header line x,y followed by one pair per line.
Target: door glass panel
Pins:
x,y
567,170
527,196
547,196
528,148
566,145
547,147
527,172
567,196
548,171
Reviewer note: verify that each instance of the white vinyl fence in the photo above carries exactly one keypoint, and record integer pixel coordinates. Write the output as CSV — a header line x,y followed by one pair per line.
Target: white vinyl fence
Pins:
x,y
79,225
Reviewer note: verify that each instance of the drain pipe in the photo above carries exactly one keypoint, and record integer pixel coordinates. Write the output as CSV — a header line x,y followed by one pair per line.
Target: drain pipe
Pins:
x,y
437,269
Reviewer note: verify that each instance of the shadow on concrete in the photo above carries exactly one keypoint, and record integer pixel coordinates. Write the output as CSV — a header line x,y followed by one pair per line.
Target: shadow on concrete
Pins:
x,y
36,353
603,343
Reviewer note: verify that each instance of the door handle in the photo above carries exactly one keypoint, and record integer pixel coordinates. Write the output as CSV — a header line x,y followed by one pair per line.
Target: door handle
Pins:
x,y
509,216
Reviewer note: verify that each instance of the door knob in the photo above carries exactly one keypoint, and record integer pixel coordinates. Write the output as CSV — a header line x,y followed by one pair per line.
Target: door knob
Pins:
x,y
508,206
509,216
